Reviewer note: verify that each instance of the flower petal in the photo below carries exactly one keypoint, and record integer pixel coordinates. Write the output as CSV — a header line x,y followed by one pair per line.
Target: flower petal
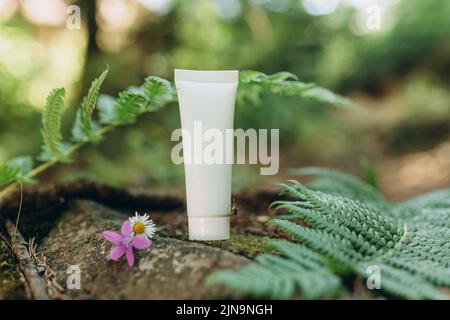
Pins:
x,y
126,228
116,253
112,237
141,242
130,256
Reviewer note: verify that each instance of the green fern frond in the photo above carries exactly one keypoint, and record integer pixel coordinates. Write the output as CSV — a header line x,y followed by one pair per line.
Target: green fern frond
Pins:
x,y
53,147
16,169
8,174
432,218
341,184
414,207
25,165
252,84
105,106
123,110
281,277
403,284
369,236
159,92
85,128
151,96
350,233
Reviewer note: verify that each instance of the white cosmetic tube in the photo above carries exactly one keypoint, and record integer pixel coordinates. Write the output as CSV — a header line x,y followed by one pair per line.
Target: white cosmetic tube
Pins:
x,y
207,100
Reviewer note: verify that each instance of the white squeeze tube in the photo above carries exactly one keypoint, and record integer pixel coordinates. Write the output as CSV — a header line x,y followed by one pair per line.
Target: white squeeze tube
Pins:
x,y
207,100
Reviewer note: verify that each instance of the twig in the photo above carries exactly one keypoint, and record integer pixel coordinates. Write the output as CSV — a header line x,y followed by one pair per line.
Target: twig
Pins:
x,y
29,270
55,290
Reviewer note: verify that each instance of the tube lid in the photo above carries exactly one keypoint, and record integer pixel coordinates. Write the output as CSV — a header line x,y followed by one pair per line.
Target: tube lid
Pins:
x,y
209,228
220,76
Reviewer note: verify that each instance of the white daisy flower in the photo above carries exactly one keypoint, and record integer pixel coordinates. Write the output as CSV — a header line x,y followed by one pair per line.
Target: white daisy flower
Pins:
x,y
141,224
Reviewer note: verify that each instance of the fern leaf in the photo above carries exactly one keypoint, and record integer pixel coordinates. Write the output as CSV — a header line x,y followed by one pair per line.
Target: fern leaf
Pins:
x,y
283,76
341,184
123,110
347,235
253,84
25,165
8,174
414,207
362,235
85,128
280,278
151,96
158,91
403,284
16,169
105,106
53,147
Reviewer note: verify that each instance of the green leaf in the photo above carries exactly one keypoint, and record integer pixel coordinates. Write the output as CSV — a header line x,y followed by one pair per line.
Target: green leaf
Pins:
x,y
8,174
158,92
53,147
248,76
25,165
280,277
283,76
324,95
128,106
16,169
338,183
417,206
151,96
344,237
105,106
124,110
253,84
85,129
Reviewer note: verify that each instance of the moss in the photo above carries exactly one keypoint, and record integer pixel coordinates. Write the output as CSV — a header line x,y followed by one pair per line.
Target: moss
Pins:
x,y
11,286
249,246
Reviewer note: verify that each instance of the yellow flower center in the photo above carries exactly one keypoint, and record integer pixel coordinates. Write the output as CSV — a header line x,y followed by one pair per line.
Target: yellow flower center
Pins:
x,y
138,228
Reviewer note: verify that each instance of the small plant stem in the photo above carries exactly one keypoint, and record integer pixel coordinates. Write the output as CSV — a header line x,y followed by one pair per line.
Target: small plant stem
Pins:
x,y
44,166
27,266
18,215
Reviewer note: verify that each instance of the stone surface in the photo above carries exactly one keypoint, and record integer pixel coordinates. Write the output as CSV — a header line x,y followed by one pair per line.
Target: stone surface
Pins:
x,y
170,269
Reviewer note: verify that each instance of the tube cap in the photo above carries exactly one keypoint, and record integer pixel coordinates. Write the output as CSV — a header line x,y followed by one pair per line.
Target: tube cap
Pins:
x,y
209,228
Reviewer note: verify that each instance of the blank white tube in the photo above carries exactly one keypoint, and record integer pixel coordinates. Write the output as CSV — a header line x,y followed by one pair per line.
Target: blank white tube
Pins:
x,y
207,98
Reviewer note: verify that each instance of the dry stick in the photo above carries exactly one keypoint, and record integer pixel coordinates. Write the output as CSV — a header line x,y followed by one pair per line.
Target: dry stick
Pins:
x,y
34,281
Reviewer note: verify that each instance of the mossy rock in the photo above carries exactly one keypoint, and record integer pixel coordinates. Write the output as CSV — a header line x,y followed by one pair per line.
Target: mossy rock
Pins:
x,y
170,269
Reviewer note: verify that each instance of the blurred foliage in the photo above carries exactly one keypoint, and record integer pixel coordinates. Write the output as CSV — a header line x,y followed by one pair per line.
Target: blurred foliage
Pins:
x,y
402,69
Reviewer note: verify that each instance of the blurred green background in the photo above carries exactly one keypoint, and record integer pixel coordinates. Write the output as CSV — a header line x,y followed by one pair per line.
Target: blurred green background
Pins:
x,y
397,70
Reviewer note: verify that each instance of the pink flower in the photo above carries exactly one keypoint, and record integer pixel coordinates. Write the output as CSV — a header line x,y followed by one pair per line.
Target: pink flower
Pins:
x,y
125,242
